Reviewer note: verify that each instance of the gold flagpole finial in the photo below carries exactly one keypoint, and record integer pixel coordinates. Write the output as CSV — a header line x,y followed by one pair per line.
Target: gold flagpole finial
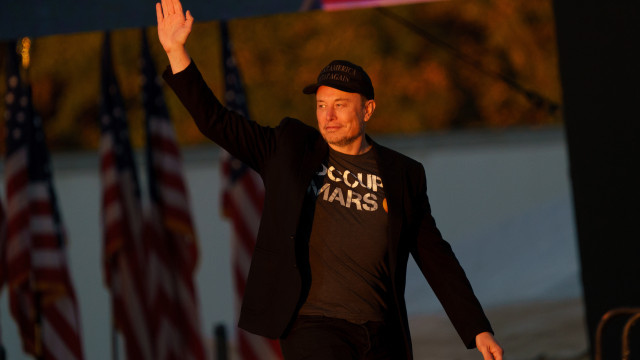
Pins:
x,y
25,51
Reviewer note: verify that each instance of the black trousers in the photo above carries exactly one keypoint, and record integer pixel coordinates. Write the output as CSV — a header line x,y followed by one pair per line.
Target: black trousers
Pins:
x,y
323,338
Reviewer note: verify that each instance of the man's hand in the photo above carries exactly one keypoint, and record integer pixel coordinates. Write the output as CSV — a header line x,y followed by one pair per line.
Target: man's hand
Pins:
x,y
174,27
488,346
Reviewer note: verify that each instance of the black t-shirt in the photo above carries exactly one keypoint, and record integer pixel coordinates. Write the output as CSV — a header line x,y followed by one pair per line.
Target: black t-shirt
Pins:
x,y
348,241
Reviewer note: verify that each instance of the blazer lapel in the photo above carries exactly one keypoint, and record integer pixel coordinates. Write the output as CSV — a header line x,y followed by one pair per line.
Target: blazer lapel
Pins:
x,y
393,188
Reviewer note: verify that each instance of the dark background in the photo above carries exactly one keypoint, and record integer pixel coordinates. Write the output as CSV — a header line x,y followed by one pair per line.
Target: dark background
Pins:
x,y
597,43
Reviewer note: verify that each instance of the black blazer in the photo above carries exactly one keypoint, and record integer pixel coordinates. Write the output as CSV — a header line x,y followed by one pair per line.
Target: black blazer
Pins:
x,y
286,157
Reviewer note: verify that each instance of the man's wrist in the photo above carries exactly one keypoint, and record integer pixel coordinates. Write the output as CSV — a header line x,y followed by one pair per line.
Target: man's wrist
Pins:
x,y
179,59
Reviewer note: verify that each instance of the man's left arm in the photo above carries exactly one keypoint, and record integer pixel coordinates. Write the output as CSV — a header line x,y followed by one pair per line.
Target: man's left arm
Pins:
x,y
448,280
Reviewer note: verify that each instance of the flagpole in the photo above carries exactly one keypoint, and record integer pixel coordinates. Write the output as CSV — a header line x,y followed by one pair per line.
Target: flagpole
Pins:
x,y
25,55
38,343
114,334
220,335
114,340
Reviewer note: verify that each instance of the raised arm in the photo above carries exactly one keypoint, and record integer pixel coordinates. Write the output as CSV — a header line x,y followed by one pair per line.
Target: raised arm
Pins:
x,y
174,27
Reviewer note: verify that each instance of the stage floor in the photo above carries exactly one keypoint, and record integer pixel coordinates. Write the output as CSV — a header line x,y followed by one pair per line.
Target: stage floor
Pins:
x,y
553,330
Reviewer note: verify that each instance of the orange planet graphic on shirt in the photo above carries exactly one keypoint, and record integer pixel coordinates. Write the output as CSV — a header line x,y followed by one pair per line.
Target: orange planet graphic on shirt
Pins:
x,y
384,205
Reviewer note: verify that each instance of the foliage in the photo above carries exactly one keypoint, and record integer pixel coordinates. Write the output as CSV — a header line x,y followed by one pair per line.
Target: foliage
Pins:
x,y
420,84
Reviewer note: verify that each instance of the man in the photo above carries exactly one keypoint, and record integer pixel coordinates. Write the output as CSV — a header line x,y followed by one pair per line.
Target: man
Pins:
x,y
341,216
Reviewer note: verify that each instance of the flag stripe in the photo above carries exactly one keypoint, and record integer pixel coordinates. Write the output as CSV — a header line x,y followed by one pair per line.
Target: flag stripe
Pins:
x,y
247,350
244,227
58,332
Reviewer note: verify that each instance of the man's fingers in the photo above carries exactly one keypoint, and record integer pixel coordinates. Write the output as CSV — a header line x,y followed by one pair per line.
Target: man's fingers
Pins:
x,y
159,15
177,7
163,5
167,7
490,353
486,354
497,353
189,19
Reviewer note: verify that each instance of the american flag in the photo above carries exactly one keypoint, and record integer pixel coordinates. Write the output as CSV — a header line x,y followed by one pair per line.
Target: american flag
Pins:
x,y
173,250
243,198
124,252
42,299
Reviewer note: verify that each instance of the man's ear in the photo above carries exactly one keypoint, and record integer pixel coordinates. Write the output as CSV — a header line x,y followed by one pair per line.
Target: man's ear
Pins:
x,y
369,108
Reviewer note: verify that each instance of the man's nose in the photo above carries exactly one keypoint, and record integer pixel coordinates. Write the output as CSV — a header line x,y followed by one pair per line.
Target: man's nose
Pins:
x,y
331,113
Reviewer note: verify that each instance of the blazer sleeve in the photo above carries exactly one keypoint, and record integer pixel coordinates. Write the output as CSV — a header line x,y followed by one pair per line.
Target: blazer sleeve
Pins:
x,y
241,137
444,273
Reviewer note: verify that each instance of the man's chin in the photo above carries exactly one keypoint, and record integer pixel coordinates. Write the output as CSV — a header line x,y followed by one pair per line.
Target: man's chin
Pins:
x,y
339,140
333,139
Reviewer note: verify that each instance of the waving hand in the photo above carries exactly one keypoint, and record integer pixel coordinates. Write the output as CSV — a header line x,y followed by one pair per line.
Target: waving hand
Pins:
x,y
174,27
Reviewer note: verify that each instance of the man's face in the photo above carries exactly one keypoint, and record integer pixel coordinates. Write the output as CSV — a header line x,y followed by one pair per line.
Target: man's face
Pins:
x,y
341,116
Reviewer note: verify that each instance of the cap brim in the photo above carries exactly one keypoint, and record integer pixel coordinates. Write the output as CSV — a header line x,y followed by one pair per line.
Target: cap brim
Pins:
x,y
313,88
310,89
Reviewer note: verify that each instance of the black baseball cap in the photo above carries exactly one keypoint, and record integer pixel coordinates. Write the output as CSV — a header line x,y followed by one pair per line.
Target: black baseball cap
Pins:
x,y
343,75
